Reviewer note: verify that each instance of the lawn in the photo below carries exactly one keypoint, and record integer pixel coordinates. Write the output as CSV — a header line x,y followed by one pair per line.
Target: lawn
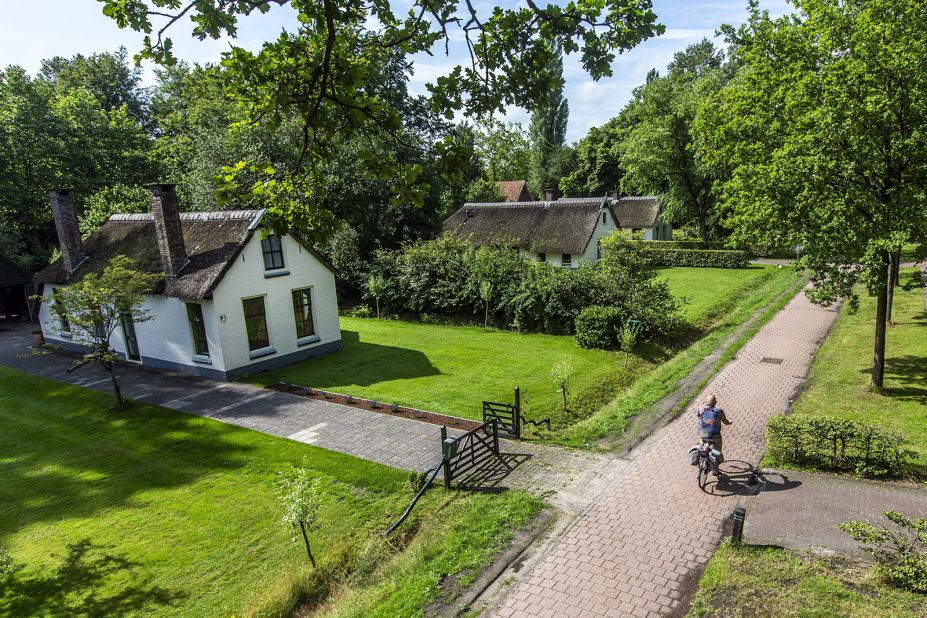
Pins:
x,y
839,378
157,513
452,369
774,583
704,289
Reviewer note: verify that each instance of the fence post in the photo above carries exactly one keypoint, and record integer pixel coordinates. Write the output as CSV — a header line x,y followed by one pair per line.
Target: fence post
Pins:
x,y
517,413
445,462
495,436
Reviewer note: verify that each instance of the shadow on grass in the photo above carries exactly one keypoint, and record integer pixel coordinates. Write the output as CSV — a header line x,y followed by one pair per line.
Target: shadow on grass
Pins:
x,y
359,363
910,372
87,582
65,455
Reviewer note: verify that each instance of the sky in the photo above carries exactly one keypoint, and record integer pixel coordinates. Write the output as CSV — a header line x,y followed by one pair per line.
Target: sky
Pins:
x,y
31,31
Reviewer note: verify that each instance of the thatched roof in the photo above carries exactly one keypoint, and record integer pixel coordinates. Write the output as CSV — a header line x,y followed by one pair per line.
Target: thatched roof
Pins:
x,y
636,211
11,274
562,226
515,190
212,239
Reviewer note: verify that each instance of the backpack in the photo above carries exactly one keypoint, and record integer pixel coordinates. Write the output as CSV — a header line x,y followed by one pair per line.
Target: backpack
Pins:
x,y
708,423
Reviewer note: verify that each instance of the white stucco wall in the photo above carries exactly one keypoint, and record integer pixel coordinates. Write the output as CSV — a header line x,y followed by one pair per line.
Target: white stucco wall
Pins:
x,y
246,279
601,231
166,337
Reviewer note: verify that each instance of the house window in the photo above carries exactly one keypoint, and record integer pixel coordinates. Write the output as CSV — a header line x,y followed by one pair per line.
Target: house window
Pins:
x,y
635,230
598,249
128,333
604,217
566,260
60,312
256,323
302,310
273,252
198,328
542,257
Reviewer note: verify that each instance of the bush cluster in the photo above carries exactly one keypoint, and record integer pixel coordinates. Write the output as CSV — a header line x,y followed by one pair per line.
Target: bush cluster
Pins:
x,y
683,244
901,550
597,326
836,444
697,257
445,277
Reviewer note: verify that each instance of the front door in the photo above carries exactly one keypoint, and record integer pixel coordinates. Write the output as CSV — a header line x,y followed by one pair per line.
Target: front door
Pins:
x,y
128,331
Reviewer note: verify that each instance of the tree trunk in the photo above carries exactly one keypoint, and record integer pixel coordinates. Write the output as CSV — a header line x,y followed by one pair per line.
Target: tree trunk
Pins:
x,y
377,299
702,226
120,402
486,316
302,527
878,356
890,289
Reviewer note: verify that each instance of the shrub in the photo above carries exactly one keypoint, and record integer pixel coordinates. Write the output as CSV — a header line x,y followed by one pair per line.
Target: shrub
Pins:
x,y
900,551
836,444
697,257
683,244
597,326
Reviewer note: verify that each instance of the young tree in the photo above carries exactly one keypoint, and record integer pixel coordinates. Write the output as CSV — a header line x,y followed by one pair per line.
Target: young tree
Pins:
x,y
561,374
821,133
548,131
318,72
299,492
375,287
99,303
485,296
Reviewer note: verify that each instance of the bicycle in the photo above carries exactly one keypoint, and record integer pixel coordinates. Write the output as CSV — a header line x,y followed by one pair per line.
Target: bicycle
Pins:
x,y
705,464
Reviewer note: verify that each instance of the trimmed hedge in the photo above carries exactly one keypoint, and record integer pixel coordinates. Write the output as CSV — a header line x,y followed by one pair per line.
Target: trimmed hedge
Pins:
x,y
697,257
597,327
684,244
842,445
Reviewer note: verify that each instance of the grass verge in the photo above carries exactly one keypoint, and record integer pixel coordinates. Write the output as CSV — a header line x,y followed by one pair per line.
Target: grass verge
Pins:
x,y
157,513
838,382
748,581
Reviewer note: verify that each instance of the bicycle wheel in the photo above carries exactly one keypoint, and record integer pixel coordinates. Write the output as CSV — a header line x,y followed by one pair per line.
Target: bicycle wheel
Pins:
x,y
703,472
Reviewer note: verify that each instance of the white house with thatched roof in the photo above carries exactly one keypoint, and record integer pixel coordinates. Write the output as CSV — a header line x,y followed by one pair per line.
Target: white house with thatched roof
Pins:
x,y
562,232
233,301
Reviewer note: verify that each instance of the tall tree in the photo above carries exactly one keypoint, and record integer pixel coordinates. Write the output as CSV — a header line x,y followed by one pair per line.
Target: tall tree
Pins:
x,y
658,154
548,131
318,73
597,165
824,135
504,149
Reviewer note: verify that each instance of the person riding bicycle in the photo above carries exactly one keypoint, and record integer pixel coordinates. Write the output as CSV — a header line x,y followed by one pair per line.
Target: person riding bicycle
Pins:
x,y
710,420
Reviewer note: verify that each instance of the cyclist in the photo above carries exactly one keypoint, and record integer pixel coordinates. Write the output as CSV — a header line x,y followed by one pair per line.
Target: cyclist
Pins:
x,y
710,419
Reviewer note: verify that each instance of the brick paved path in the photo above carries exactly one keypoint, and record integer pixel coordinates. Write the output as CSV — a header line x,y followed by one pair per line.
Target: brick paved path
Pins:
x,y
802,509
639,549
569,479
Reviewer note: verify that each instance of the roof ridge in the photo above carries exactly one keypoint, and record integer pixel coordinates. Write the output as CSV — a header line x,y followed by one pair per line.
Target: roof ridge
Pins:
x,y
205,215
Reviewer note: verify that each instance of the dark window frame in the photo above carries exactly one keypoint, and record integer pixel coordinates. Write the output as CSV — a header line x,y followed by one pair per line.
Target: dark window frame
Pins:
x,y
302,298
256,324
198,329
128,324
272,250
542,257
566,259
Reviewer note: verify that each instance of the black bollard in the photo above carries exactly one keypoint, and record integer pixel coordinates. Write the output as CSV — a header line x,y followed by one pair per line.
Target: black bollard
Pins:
x,y
737,534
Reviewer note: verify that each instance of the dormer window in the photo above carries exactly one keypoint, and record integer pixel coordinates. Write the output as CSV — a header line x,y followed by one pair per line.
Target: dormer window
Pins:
x,y
273,252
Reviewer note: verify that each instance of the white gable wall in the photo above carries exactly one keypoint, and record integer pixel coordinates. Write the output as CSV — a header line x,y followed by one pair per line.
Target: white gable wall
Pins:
x,y
246,278
602,229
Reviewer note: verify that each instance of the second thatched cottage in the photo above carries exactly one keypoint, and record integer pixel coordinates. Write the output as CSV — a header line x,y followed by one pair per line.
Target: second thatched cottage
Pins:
x,y
561,232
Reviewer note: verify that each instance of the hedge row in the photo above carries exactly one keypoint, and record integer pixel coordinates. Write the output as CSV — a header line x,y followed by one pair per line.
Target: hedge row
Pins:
x,y
829,443
684,244
697,257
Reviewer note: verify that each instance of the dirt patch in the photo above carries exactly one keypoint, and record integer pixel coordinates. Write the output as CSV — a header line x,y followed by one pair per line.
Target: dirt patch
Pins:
x,y
380,407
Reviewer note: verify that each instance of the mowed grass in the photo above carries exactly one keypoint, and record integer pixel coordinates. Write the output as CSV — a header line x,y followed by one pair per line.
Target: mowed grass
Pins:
x,y
157,513
453,369
839,379
705,289
774,583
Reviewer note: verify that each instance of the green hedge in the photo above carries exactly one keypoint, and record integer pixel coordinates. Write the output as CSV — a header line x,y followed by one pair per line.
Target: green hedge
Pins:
x,y
597,327
683,244
842,445
697,257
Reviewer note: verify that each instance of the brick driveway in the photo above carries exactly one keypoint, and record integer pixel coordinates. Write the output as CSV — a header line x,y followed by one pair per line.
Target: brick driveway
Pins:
x,y
639,550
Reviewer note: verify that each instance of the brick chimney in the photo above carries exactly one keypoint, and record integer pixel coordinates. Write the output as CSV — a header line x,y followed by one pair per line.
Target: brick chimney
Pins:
x,y
549,194
167,227
72,251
